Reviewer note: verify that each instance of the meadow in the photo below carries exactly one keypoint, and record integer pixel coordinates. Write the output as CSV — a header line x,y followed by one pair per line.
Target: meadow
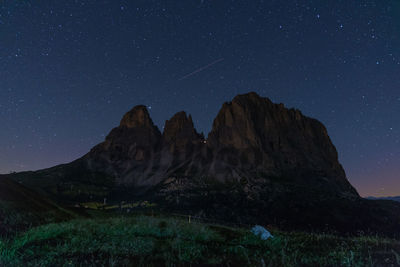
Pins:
x,y
112,239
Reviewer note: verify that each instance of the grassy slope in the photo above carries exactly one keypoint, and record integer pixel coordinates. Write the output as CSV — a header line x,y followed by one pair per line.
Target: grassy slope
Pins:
x,y
21,208
158,241
66,182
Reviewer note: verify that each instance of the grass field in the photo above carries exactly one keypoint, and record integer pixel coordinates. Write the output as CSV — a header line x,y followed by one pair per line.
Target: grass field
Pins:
x,y
138,240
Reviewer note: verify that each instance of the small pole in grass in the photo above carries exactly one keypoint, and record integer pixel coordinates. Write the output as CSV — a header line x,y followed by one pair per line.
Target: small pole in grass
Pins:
x,y
189,218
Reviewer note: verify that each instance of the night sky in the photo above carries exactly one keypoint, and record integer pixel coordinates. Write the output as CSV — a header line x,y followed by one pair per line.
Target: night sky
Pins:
x,y
70,69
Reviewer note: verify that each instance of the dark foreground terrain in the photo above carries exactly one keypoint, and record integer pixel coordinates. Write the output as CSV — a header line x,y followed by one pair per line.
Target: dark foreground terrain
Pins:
x,y
21,208
37,232
138,240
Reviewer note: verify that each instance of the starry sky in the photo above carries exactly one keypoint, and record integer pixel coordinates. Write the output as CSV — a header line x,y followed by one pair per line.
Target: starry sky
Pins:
x,y
70,69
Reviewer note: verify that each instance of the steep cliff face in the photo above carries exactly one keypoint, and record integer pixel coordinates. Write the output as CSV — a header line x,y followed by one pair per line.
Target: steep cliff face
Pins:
x,y
137,154
253,141
276,141
180,135
129,149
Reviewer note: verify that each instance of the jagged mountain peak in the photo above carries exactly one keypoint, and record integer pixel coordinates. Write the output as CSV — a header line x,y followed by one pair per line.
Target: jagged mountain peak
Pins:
x,y
276,140
138,116
180,126
251,97
259,158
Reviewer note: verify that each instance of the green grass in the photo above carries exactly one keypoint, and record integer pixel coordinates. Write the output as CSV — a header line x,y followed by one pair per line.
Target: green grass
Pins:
x,y
100,206
13,220
154,241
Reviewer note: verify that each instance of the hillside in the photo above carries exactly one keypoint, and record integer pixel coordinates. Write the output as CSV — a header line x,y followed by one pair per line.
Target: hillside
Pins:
x,y
397,199
20,208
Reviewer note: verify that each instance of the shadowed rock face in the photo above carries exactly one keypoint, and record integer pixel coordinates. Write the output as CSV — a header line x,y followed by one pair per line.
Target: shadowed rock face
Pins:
x,y
276,141
138,117
128,148
137,154
261,163
250,136
180,134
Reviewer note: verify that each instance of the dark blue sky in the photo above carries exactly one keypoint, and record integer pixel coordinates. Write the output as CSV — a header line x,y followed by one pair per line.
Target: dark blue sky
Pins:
x,y
70,69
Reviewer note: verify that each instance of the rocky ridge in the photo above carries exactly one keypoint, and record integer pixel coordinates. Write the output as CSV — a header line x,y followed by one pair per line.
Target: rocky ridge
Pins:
x,y
250,135
260,163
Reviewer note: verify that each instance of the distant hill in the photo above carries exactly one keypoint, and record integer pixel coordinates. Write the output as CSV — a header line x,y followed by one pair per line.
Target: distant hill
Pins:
x,y
261,163
21,208
385,198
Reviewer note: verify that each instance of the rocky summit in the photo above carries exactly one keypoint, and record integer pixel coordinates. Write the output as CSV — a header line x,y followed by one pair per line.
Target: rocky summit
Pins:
x,y
261,163
251,137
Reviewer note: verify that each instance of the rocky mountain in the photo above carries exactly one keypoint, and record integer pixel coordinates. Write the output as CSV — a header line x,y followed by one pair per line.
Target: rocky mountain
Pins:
x,y
261,163
250,137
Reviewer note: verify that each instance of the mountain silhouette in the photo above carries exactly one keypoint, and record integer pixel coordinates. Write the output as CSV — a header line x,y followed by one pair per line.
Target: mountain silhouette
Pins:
x,y
261,163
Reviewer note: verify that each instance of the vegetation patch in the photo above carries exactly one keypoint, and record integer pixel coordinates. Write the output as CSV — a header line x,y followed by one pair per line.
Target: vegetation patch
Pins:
x,y
154,241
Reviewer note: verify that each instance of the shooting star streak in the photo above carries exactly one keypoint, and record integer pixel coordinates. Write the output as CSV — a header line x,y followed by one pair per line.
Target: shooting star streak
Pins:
x,y
201,69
